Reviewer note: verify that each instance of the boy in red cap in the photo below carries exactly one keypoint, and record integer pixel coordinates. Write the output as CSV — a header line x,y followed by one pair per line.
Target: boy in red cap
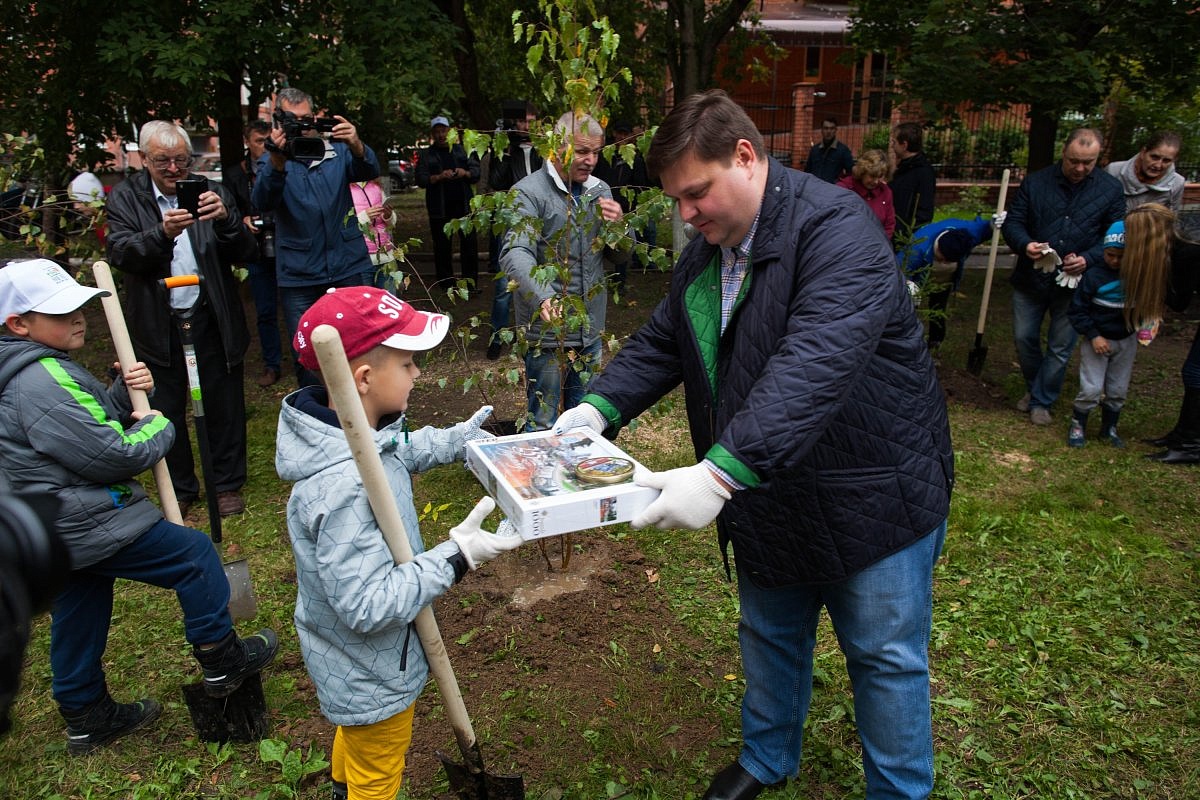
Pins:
x,y
354,605
64,434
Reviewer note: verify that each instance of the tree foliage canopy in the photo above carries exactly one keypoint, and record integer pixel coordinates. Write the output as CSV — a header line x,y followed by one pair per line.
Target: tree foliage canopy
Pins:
x,y
1056,56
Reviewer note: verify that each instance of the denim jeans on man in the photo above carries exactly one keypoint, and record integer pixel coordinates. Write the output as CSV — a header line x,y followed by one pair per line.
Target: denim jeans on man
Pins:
x,y
882,617
1043,370
169,556
551,373
297,299
265,291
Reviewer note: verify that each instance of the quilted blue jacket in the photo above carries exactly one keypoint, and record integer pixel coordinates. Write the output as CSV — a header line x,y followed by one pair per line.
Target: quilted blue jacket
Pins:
x,y
820,396
1072,219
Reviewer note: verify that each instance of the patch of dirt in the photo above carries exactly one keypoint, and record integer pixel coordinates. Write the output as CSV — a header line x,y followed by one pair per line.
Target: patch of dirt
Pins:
x,y
554,647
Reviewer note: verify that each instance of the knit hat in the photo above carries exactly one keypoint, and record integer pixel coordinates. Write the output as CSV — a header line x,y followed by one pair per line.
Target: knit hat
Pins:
x,y
43,286
366,317
955,244
1115,238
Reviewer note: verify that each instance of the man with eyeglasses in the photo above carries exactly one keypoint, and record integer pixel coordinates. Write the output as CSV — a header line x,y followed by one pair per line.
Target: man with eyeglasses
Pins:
x,y
318,244
149,238
829,160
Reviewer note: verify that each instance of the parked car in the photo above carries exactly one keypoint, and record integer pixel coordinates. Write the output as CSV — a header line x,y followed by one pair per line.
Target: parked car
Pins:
x,y
401,175
208,165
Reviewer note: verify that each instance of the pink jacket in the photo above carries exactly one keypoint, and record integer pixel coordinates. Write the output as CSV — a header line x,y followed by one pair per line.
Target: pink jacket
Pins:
x,y
878,200
367,195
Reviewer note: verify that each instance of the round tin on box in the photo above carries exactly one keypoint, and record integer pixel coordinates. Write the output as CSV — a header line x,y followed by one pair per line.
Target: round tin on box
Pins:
x,y
603,470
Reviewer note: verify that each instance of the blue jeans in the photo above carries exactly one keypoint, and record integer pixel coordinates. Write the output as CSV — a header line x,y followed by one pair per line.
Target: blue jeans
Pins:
x,y
265,291
297,299
547,381
882,618
1043,371
169,556
501,306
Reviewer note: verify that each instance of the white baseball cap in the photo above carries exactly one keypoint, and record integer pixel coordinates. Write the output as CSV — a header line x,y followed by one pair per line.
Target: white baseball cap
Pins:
x,y
43,286
433,123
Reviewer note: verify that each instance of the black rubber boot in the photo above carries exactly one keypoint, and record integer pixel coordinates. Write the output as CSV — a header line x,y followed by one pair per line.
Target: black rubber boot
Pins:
x,y
1184,448
233,660
106,720
1108,427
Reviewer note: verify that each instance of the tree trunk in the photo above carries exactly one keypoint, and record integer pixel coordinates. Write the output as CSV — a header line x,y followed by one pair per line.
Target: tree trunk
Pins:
x,y
229,116
479,115
1043,129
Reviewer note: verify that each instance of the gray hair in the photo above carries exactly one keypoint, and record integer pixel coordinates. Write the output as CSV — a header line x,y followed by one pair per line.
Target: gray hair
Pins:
x,y
162,133
293,96
572,125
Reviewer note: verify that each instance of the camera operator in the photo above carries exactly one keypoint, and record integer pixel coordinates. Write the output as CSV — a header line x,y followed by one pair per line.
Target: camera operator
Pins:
x,y
240,179
305,180
34,565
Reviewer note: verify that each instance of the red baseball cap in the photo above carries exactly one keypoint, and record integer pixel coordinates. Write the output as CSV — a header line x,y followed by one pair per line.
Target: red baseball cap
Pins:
x,y
367,317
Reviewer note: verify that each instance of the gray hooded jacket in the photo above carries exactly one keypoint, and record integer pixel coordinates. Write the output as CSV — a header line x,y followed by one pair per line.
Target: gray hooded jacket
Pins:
x,y
62,433
354,605
1168,190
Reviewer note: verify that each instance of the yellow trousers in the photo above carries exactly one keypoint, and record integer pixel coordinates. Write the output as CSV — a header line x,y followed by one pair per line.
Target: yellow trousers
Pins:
x,y
369,759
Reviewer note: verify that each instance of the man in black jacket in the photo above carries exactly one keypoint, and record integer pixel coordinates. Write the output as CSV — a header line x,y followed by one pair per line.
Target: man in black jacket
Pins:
x,y
1056,226
913,182
150,238
447,174
821,435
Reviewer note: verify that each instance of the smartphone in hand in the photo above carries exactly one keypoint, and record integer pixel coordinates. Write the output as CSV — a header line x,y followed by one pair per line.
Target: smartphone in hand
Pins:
x,y
188,192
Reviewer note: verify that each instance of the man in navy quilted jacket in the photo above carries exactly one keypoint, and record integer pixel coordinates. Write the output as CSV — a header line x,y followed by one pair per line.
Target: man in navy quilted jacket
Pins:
x,y
820,431
1056,226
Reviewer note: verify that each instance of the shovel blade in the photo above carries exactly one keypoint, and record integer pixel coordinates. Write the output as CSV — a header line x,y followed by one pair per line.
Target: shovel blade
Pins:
x,y
976,358
483,785
243,604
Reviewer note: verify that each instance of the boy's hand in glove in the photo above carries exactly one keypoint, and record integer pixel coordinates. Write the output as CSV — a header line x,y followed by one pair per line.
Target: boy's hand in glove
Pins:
x,y
691,498
584,415
998,220
480,546
473,427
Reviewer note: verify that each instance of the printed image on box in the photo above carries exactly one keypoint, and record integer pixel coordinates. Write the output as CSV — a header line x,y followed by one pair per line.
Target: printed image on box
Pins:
x,y
549,484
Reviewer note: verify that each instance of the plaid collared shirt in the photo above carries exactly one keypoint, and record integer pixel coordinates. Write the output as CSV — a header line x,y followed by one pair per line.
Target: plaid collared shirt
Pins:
x,y
735,262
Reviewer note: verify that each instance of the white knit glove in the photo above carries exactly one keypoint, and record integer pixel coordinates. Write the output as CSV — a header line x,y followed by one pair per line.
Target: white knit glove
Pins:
x,y
584,415
480,546
998,220
473,427
691,498
1066,280
1049,260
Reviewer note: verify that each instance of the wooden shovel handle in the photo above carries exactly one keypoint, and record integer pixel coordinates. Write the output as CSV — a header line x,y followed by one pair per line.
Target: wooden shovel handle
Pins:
x,y
991,265
127,358
335,369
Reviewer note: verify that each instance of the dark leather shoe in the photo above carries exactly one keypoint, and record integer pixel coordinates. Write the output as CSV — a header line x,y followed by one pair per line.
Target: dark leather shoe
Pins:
x,y
269,377
734,783
1186,455
230,503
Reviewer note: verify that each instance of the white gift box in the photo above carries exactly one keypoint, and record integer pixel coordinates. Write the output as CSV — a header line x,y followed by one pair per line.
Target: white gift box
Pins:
x,y
532,478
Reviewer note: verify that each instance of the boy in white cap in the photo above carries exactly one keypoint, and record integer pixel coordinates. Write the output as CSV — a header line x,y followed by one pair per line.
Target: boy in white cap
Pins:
x,y
64,434
354,605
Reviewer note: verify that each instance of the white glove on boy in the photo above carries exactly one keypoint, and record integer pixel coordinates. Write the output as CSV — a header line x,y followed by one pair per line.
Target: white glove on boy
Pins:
x,y
473,427
480,546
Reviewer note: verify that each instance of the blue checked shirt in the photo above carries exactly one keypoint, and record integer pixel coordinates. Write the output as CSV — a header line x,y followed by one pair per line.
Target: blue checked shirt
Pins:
x,y
735,262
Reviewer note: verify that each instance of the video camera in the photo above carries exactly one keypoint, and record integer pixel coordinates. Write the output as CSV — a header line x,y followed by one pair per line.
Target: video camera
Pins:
x,y
296,144
34,565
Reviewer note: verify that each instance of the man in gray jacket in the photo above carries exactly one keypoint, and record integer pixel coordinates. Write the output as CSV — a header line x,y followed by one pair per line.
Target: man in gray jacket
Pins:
x,y
561,295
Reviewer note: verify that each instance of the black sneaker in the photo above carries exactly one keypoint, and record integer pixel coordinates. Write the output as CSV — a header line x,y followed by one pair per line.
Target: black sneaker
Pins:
x,y
105,720
233,660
